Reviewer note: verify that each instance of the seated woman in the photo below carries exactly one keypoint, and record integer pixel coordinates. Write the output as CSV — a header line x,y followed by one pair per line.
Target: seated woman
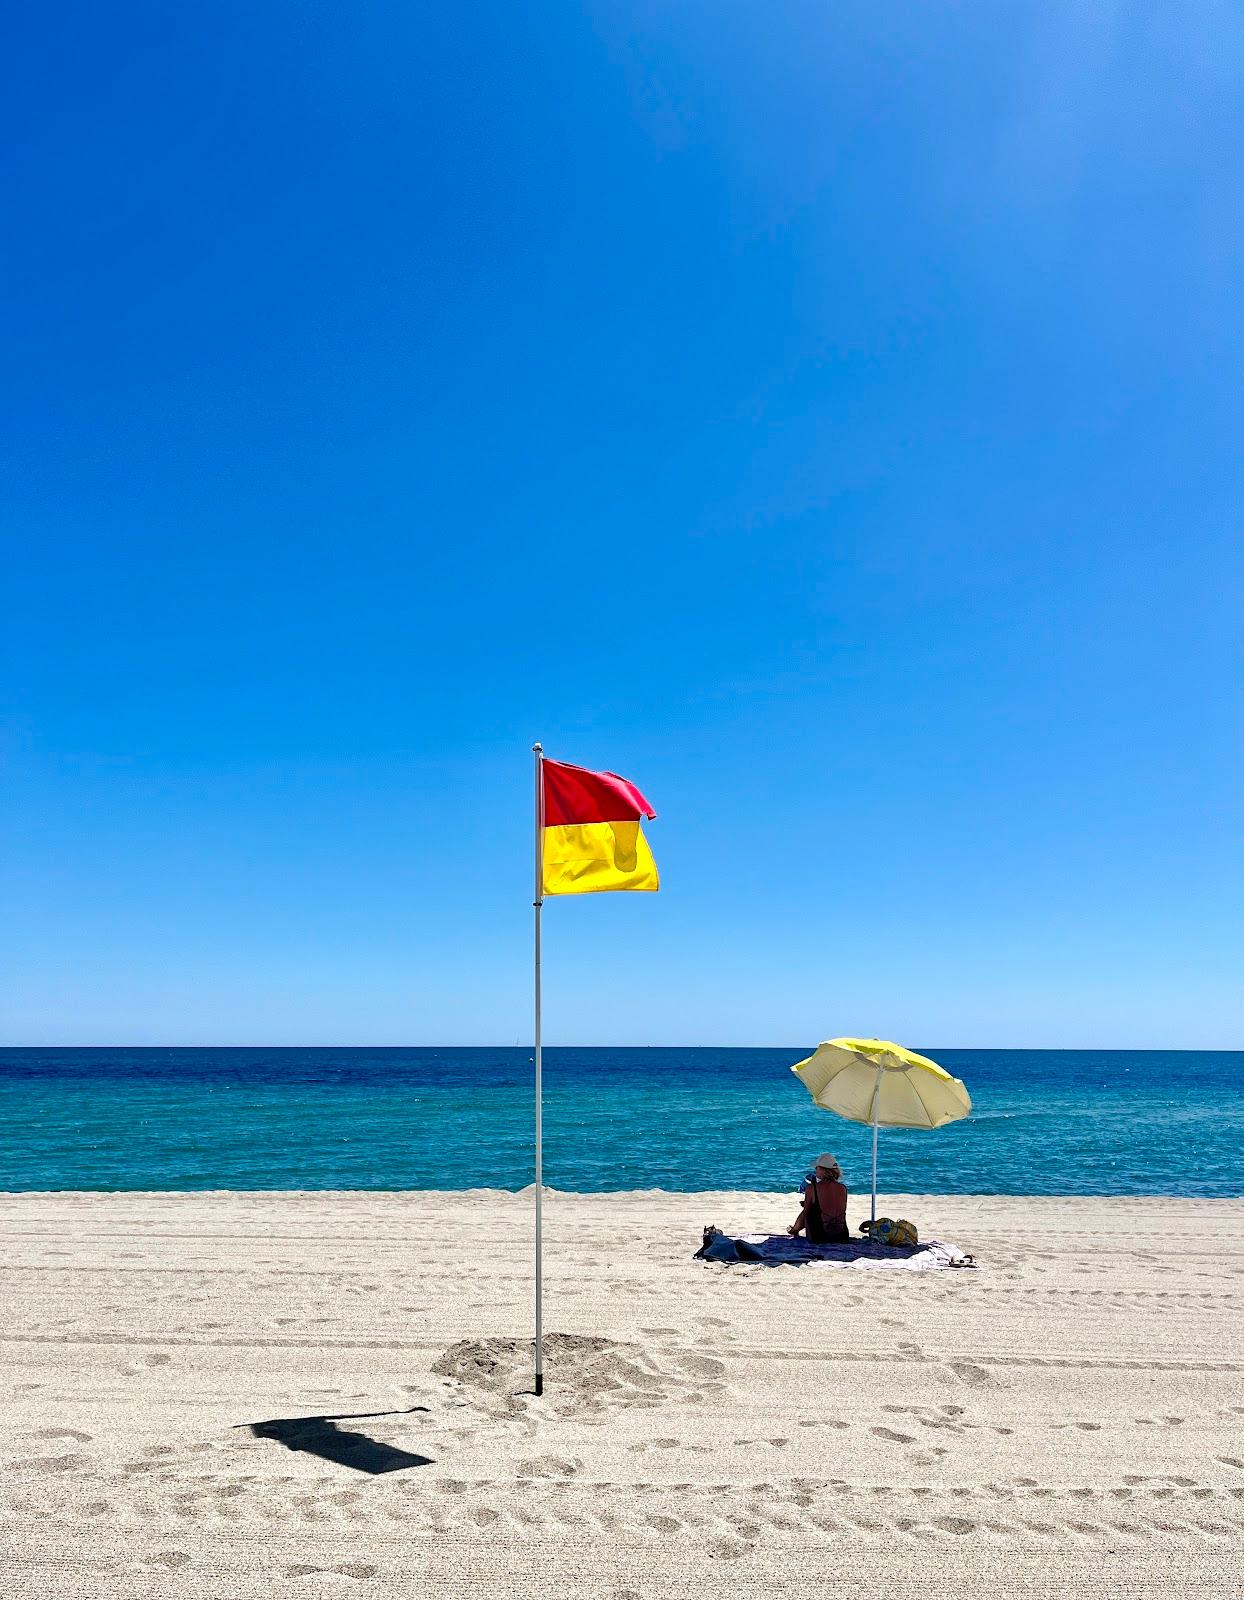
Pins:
x,y
824,1215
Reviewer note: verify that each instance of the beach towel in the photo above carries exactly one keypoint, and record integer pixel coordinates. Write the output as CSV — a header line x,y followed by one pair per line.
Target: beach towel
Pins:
x,y
781,1250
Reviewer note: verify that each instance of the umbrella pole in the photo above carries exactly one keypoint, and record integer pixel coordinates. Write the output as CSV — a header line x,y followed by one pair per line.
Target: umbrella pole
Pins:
x,y
539,906
876,1114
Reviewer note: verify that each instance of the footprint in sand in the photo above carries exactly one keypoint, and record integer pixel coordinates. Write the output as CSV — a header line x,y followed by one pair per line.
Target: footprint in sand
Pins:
x,y
144,1363
549,1467
951,1419
62,1433
726,1549
969,1372
70,1463
895,1438
350,1569
671,1444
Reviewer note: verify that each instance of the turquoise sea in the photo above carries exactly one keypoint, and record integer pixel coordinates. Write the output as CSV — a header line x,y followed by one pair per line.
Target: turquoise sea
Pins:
x,y
1045,1121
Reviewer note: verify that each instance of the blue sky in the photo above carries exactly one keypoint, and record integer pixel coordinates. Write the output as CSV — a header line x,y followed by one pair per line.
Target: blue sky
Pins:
x,y
828,416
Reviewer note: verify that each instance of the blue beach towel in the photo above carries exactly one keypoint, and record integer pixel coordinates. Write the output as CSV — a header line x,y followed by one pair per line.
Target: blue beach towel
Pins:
x,y
781,1250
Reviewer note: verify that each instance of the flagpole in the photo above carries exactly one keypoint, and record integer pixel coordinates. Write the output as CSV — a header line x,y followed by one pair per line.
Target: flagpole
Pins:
x,y
538,752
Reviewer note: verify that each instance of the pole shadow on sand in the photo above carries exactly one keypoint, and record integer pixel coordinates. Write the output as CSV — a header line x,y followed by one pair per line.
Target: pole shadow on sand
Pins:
x,y
320,1436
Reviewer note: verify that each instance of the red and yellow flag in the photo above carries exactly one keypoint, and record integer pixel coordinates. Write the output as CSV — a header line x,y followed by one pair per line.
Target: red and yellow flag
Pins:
x,y
592,835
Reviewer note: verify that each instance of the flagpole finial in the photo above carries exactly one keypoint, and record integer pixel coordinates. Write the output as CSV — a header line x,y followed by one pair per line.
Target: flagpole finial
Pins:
x,y
538,748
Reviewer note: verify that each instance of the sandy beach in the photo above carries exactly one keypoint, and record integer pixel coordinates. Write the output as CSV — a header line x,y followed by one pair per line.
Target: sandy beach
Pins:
x,y
236,1394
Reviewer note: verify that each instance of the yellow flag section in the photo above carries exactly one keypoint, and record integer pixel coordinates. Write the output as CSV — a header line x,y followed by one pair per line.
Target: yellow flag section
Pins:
x,y
593,839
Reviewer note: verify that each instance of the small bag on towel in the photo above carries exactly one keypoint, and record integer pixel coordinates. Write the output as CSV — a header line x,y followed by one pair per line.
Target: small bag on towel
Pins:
x,y
897,1232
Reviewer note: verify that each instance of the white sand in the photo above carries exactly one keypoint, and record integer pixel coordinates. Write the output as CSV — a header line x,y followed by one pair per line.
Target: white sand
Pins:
x,y
1070,1417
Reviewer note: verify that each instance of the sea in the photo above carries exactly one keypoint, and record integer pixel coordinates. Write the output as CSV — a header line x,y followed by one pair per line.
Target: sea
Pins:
x,y
1053,1122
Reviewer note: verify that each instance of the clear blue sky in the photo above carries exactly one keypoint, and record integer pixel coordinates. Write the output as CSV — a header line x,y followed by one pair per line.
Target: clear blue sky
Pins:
x,y
827,415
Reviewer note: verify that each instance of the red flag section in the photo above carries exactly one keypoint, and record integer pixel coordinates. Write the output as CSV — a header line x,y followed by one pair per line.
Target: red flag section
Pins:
x,y
575,795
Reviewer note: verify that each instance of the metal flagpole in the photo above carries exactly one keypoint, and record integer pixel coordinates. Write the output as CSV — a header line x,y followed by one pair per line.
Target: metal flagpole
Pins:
x,y
538,751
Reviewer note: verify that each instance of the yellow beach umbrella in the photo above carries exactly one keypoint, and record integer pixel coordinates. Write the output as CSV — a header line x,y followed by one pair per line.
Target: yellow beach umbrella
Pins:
x,y
879,1083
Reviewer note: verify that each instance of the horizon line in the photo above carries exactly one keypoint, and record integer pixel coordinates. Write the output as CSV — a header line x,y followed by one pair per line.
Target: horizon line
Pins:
x,y
493,1045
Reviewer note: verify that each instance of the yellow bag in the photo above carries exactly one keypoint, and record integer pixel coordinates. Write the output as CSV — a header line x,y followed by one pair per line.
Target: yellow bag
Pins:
x,y
896,1232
